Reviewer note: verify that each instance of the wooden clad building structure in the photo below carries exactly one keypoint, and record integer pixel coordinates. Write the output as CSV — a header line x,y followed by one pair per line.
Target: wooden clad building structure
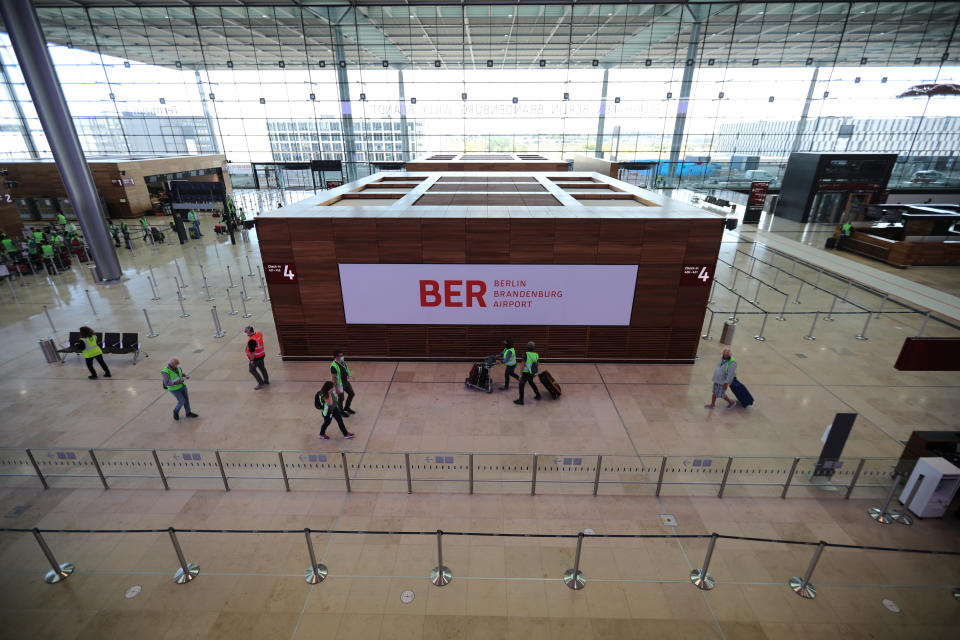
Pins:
x,y
430,221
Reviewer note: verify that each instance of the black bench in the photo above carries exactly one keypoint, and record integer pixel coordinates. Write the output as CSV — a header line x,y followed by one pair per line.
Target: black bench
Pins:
x,y
114,343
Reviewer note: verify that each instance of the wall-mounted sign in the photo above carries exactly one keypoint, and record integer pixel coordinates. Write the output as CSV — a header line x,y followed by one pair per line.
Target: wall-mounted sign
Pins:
x,y
6,198
696,275
758,195
534,294
122,182
281,272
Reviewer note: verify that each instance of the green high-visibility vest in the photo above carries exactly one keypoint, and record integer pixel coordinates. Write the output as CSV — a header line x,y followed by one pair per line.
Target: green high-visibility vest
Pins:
x,y
47,251
531,359
846,229
726,370
337,366
90,348
37,236
143,222
510,356
61,219
176,378
7,244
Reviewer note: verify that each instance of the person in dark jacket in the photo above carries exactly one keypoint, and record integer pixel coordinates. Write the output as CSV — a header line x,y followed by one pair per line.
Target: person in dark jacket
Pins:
x,y
326,401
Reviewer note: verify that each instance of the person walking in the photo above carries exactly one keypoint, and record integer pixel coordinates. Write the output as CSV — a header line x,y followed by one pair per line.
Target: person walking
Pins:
x,y
92,351
173,378
327,402
531,358
723,375
255,354
340,376
509,359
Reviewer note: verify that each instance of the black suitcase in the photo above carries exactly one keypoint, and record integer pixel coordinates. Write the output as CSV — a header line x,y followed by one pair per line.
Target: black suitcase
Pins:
x,y
550,385
741,392
479,378
831,242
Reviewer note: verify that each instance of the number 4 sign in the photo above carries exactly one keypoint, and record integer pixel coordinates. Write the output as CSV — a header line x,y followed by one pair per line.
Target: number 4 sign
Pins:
x,y
696,275
281,272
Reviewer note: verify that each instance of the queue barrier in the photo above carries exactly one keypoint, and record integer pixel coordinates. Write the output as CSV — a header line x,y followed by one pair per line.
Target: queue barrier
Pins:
x,y
441,575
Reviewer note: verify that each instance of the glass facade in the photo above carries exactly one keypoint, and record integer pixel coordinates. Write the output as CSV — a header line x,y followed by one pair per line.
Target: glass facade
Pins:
x,y
692,94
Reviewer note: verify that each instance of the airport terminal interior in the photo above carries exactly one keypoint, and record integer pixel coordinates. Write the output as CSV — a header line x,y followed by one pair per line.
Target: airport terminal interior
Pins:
x,y
634,188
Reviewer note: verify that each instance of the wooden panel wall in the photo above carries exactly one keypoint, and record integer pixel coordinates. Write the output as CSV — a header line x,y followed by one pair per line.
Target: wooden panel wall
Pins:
x,y
666,317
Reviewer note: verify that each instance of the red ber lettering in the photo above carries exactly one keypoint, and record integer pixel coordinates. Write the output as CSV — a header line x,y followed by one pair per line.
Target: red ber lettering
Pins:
x,y
429,289
450,293
431,296
475,291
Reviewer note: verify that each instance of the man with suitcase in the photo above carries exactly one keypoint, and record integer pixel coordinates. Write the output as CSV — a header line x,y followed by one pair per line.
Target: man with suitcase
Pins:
x,y
530,367
723,375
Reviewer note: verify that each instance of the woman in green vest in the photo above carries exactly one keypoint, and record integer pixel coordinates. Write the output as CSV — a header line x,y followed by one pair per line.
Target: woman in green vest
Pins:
x,y
328,405
92,351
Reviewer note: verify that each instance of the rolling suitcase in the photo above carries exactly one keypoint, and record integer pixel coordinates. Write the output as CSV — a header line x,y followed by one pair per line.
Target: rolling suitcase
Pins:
x,y
479,378
741,392
194,234
550,385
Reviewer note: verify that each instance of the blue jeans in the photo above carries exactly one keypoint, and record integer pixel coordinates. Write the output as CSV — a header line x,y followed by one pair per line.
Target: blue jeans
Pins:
x,y
183,400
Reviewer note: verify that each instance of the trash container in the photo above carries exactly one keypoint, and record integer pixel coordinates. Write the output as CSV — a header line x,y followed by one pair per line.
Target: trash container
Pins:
x,y
726,337
49,348
731,224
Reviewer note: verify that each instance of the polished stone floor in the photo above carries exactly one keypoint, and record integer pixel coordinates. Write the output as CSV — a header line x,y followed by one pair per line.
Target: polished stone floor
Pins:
x,y
251,585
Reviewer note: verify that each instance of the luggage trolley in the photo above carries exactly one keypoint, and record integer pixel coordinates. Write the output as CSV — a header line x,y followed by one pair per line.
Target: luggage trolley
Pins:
x,y
479,377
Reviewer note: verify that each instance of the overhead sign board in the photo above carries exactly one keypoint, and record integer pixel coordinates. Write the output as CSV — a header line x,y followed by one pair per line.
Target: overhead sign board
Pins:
x,y
281,272
531,294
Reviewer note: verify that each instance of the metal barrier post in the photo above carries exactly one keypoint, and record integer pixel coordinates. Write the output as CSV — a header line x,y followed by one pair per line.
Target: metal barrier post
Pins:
x,y
776,274
246,314
903,516
222,472
150,267
802,586
846,293
90,300
596,477
218,331
783,309
206,287
533,477
707,335
736,272
574,578
701,578
763,326
243,290
346,470
786,485
96,465
736,308
829,317
249,268
863,332
163,476
12,292
756,296
232,311
283,471
60,571
36,468
183,312
882,302
230,277
47,313
713,285
726,474
816,283
471,474
180,273
881,515
663,467
316,572
152,334
797,301
153,289
406,463
752,265
187,571
856,476
813,326
262,286
924,325
441,575
260,275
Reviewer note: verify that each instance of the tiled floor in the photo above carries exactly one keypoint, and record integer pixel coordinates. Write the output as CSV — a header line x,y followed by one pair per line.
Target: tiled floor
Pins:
x,y
251,585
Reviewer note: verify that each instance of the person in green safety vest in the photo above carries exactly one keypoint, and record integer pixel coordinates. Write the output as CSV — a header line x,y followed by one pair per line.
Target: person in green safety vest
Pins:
x,y
38,237
61,219
723,375
194,221
7,245
144,225
846,230
530,367
71,228
242,215
509,359
47,250
173,378
340,376
326,401
92,351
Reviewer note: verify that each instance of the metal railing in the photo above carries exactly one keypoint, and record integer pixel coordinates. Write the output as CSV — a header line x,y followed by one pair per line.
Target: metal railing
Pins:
x,y
608,474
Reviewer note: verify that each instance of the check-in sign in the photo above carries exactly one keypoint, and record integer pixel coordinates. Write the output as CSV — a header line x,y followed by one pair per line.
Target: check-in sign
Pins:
x,y
281,272
593,295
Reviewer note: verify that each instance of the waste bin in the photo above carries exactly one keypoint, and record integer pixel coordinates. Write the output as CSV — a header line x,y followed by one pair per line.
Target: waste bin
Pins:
x,y
731,224
726,337
49,348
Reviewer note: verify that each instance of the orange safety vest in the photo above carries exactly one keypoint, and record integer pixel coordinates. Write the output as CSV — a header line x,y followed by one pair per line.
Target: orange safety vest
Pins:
x,y
259,352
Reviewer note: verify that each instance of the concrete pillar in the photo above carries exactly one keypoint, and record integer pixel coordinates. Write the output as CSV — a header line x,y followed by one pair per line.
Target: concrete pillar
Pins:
x,y
802,125
31,49
346,110
405,140
690,64
598,151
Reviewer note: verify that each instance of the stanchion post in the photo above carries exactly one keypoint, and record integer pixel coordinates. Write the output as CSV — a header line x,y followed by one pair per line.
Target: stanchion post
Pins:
x,y
736,308
533,476
90,300
470,478
596,476
441,575
163,476
713,285
206,288
701,578
882,514
903,516
736,272
924,325
246,314
833,304
776,274
753,263
232,311
763,327
10,284
802,586
786,485
223,473
187,571
799,290
574,578
663,467
243,290
856,476
726,474
707,335
813,326
260,275
406,463
60,572
316,572
36,468
882,303
346,469
180,273
283,471
756,295
230,277
249,268
863,332
262,286
816,284
49,319
96,465
183,312
153,289
846,292
783,309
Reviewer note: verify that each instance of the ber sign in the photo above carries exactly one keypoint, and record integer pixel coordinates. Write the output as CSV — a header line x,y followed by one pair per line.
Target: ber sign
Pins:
x,y
488,294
